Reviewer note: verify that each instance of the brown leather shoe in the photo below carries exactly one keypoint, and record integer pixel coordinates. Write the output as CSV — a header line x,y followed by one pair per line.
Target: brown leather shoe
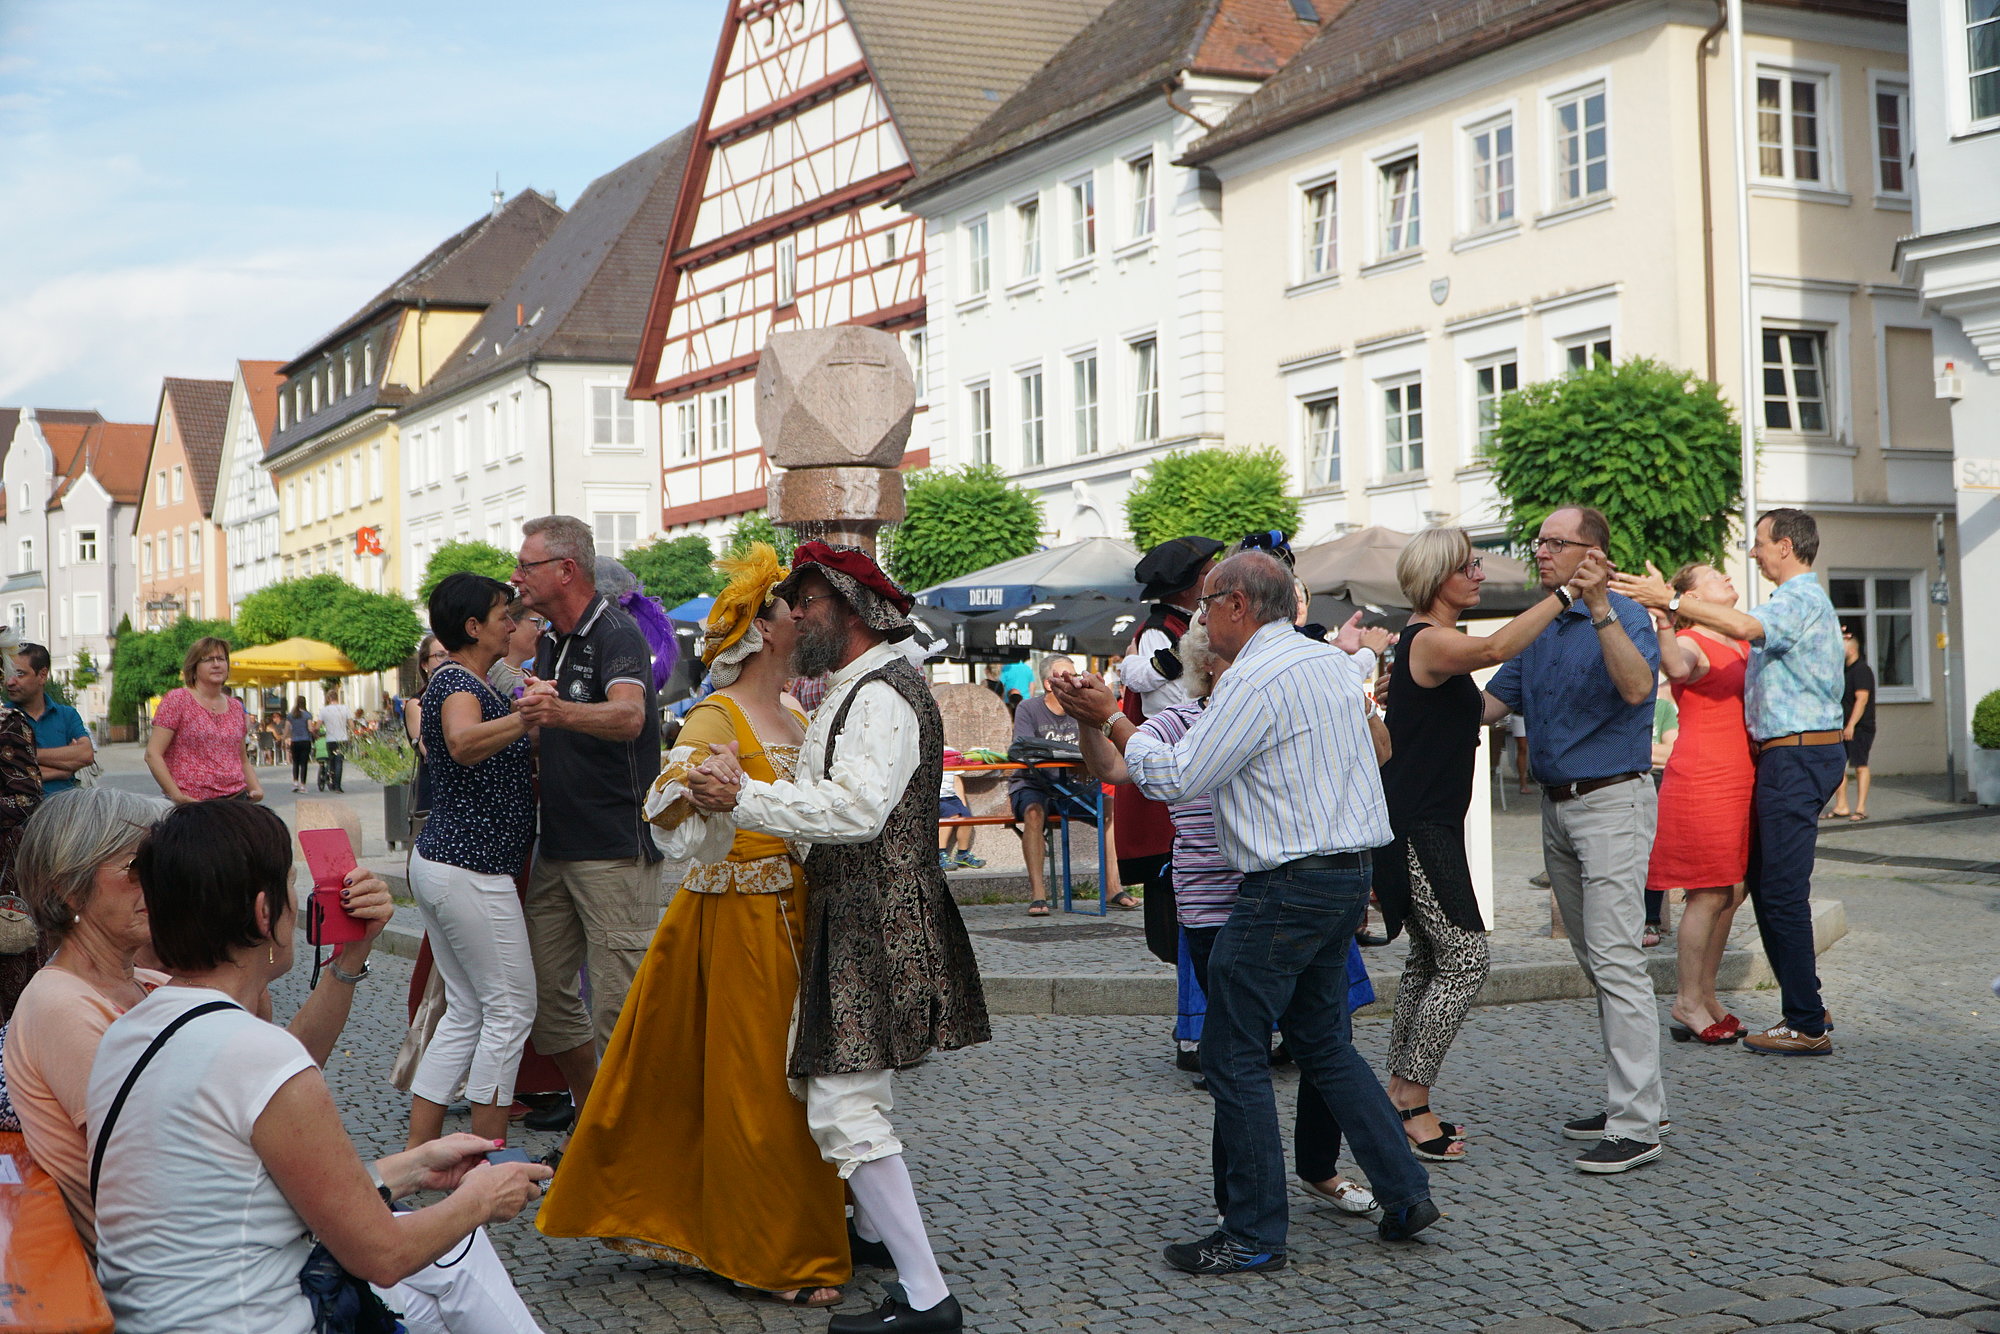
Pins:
x,y
1786,1041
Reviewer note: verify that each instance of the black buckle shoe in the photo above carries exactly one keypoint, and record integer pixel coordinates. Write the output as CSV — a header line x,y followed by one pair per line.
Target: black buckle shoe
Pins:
x,y
895,1314
556,1116
1407,1221
1219,1253
874,1254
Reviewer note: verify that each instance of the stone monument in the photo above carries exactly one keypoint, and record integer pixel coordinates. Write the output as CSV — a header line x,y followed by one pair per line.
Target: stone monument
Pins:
x,y
833,411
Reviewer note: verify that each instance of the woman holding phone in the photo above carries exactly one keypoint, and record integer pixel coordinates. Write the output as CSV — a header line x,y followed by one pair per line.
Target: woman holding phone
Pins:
x,y
462,870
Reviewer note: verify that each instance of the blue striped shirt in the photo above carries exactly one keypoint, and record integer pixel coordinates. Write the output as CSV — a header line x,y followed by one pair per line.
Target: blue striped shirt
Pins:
x,y
1284,748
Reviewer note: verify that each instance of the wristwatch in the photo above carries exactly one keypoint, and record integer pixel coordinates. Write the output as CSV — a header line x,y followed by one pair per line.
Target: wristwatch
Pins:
x,y
375,1178
1674,603
333,966
1608,618
1109,723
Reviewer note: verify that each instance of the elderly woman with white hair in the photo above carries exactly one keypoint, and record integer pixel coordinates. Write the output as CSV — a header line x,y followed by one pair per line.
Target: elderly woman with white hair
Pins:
x,y
691,1147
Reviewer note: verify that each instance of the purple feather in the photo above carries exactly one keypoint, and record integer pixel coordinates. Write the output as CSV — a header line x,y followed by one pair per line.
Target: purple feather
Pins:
x,y
659,632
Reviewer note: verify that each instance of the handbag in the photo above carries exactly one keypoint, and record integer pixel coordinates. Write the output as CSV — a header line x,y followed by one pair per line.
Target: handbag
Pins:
x,y
341,1303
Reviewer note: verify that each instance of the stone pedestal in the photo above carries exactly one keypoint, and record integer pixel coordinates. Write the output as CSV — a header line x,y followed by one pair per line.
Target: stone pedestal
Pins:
x,y
833,410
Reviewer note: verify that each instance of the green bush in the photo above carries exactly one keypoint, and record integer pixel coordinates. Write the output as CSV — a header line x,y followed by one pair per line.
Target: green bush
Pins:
x,y
376,630
1219,493
674,569
287,609
464,558
385,755
1654,448
1986,722
958,520
149,663
759,528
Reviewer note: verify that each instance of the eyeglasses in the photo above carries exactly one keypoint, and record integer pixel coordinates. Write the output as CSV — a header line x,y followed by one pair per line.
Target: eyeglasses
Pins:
x,y
1207,598
805,602
521,565
1556,544
1473,566
203,662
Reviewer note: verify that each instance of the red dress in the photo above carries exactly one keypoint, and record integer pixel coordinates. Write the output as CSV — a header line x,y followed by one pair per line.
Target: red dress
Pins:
x,y
1704,832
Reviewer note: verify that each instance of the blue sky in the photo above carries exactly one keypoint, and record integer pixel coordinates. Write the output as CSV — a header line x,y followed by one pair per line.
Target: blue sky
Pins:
x,y
187,182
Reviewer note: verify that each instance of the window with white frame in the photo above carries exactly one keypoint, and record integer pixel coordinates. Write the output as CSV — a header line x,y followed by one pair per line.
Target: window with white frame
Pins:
x,y
1582,151
194,546
1491,380
978,258
89,614
721,435
1145,389
1027,240
1795,396
613,424
1034,440
1323,441
615,533
788,270
1881,609
1399,188
1320,234
312,392
687,427
17,616
347,372
354,481
1139,190
1083,402
1402,426
916,347
159,487
284,411
1489,155
180,483
979,423
180,550
339,489
1790,134
86,546
368,363
1892,122
1082,218
146,556
325,499
1582,351
375,471
290,505
461,448
1982,58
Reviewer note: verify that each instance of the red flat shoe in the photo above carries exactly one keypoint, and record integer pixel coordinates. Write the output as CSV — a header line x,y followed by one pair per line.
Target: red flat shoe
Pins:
x,y
1734,1023
1720,1032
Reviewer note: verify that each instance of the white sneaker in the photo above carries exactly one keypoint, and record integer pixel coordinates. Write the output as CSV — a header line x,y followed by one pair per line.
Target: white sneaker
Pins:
x,y
1349,1197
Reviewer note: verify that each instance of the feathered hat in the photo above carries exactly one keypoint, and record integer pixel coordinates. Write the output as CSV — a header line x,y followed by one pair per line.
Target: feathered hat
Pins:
x,y
730,633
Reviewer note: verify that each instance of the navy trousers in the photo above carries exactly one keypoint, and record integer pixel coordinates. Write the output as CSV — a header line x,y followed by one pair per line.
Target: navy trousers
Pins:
x,y
1794,784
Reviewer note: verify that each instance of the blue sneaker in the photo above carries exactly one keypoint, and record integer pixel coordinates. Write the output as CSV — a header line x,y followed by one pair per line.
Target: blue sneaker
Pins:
x,y
971,862
947,861
1219,1253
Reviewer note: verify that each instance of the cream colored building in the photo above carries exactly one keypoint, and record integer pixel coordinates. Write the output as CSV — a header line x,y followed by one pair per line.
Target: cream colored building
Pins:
x,y
1419,215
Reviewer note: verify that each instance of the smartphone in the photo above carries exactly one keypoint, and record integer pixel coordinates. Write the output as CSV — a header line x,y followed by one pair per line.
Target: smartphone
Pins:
x,y
509,1156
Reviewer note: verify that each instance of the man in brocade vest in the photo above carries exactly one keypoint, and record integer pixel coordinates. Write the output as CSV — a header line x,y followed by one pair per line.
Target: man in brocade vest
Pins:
x,y
1172,573
889,973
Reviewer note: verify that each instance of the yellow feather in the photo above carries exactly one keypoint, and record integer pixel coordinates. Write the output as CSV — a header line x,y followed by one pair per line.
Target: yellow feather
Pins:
x,y
752,576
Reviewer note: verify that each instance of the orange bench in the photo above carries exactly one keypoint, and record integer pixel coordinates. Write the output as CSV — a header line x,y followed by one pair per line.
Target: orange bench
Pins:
x,y
47,1283
1058,822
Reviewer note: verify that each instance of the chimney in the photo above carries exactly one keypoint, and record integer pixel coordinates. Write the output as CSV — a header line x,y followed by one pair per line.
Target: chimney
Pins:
x,y
499,196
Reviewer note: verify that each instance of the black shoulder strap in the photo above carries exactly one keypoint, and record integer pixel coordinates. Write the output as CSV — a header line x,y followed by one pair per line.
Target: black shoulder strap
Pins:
x,y
125,1090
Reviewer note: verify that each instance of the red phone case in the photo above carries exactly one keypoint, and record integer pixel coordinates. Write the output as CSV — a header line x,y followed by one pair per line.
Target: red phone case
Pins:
x,y
329,856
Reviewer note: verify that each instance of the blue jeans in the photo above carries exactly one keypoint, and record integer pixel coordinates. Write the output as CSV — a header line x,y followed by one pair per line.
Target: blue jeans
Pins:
x,y
1793,785
1283,956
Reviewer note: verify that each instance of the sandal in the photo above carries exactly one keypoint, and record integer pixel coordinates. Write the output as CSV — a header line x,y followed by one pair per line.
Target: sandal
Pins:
x,y
1434,1150
1123,899
802,1297
1038,907
1857,817
1350,1197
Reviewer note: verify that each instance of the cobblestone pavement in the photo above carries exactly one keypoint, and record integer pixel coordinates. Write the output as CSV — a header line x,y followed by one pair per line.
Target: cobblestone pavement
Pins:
x,y
1846,1193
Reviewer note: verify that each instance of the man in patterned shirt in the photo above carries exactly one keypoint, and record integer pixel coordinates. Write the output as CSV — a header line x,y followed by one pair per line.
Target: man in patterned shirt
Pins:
x,y
1791,700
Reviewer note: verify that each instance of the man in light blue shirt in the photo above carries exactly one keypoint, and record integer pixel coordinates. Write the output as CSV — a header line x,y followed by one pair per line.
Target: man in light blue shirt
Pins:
x,y
1285,751
1791,702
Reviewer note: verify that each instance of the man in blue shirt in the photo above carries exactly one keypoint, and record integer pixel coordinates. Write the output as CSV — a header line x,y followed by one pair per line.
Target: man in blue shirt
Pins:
x,y
1791,701
1585,686
62,742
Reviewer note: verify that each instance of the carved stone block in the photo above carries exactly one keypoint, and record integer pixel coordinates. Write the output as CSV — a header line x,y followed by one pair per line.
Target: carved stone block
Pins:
x,y
837,496
838,396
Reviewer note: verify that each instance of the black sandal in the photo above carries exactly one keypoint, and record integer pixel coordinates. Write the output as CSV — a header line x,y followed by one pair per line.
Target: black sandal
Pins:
x,y
1038,907
1123,899
1433,1150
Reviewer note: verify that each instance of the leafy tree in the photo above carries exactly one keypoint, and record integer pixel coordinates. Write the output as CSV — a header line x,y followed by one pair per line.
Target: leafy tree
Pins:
x,y
376,630
758,527
1655,448
1219,493
464,558
674,569
959,520
1986,721
85,674
287,609
149,663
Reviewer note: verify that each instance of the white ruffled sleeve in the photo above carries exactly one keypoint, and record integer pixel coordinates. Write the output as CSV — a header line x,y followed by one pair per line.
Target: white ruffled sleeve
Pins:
x,y
679,830
874,758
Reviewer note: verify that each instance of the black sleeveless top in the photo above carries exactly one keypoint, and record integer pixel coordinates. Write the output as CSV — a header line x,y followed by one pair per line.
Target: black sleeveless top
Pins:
x,y
1434,734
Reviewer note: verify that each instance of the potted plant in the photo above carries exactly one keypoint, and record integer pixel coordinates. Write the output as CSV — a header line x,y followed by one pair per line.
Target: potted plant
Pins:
x,y
387,756
1986,749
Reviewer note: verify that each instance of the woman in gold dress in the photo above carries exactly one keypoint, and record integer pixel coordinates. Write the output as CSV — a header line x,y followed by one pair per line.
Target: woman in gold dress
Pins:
x,y
691,1147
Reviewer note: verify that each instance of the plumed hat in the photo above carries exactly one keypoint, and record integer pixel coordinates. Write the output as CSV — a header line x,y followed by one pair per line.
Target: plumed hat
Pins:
x,y
729,630
1174,565
879,600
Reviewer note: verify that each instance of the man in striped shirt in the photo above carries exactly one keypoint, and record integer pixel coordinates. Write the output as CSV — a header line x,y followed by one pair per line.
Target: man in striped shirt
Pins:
x,y
1284,749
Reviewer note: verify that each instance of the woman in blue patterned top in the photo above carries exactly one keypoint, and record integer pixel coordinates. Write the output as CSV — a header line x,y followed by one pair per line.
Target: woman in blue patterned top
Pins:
x,y
462,871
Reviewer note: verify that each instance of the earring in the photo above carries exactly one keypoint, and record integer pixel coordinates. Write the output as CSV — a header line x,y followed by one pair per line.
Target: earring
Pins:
x,y
270,954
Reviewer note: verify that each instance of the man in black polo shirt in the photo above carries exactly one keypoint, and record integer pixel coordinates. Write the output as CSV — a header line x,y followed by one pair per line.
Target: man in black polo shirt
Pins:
x,y
594,896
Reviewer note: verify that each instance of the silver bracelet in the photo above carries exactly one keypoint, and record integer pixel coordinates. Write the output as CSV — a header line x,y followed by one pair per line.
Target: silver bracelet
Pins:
x,y
333,967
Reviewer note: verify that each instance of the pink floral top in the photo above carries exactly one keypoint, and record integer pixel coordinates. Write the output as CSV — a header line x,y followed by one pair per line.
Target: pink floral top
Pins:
x,y
206,755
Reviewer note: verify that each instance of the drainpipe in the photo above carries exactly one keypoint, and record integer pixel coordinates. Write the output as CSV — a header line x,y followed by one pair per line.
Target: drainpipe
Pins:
x,y
1170,87
549,399
1739,75
1703,50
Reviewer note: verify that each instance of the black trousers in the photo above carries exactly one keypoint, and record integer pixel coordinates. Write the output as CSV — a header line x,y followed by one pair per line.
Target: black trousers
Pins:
x,y
302,753
1315,1134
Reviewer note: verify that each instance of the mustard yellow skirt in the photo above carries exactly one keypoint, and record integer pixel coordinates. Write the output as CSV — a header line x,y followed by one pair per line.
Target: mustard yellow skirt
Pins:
x,y
691,1147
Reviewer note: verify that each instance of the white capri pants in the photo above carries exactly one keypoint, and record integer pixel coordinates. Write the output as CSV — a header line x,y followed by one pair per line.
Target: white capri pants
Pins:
x,y
479,940
468,1291
848,1116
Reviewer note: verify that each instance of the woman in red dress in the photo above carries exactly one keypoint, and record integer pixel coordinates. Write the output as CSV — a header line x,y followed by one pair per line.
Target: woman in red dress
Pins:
x,y
1703,843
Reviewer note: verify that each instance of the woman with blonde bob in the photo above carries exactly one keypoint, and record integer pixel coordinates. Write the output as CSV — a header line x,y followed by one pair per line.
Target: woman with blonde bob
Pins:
x,y
196,750
691,1147
1422,879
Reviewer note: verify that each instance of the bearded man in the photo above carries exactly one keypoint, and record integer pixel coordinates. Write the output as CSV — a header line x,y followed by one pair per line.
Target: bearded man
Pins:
x,y
889,973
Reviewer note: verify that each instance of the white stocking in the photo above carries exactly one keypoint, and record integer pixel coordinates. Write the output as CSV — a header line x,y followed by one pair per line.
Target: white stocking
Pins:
x,y
882,1189
864,1226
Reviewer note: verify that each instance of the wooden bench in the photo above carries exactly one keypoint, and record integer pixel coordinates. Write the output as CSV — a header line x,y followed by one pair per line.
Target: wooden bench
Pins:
x,y
47,1283
1055,821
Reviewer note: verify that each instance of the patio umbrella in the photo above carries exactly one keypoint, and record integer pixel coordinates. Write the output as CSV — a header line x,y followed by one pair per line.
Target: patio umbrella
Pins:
x,y
288,660
694,609
1096,566
1361,567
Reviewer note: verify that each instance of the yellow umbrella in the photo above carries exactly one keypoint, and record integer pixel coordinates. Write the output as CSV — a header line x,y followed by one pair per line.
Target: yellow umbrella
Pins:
x,y
288,660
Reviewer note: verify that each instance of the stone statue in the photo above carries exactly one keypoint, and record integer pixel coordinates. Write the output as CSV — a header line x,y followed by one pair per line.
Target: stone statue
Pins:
x,y
833,411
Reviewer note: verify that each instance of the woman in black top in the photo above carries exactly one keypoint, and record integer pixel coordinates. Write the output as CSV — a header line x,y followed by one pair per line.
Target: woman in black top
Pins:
x,y
1422,879
1857,706
462,871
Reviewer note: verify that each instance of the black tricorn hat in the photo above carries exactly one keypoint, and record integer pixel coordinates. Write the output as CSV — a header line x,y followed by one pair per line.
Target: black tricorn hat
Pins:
x,y
1174,565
